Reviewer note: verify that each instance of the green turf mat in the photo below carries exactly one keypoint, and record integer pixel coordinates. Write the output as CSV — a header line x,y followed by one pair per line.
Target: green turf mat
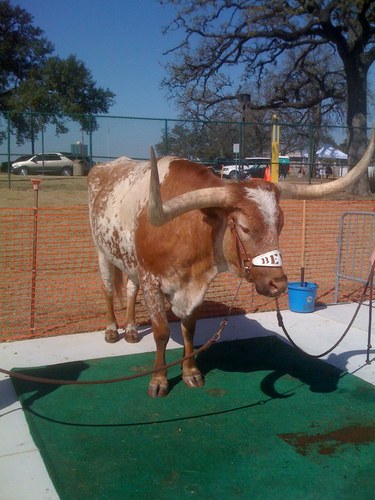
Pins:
x,y
270,423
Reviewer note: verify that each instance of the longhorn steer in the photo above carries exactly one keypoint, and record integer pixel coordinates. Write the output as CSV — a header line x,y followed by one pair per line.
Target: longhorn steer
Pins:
x,y
176,249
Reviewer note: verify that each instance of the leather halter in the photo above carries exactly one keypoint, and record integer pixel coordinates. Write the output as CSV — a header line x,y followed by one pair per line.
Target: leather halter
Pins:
x,y
268,259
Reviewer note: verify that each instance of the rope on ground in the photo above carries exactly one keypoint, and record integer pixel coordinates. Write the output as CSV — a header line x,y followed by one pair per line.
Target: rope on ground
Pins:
x,y
42,380
216,336
369,282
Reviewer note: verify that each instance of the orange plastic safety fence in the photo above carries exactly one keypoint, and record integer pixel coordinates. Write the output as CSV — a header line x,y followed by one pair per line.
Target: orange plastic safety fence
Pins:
x,y
50,282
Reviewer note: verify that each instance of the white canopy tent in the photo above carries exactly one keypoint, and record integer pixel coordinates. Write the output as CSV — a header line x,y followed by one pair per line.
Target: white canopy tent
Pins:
x,y
331,153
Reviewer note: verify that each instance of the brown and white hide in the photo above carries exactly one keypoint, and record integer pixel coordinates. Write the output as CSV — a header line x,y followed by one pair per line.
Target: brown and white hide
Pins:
x,y
173,237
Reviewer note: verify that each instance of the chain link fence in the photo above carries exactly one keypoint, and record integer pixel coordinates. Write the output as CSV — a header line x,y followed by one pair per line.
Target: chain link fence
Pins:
x,y
312,151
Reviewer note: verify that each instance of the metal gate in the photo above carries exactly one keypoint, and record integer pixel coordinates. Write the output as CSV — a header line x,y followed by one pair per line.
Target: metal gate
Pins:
x,y
356,242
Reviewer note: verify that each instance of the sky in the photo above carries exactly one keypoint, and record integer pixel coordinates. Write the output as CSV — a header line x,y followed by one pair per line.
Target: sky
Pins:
x,y
122,44
119,41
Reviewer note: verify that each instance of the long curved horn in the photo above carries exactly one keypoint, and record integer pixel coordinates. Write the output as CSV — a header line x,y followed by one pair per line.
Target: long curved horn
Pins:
x,y
160,213
303,191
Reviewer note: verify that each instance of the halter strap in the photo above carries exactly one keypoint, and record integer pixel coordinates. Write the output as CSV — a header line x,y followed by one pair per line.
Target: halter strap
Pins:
x,y
268,259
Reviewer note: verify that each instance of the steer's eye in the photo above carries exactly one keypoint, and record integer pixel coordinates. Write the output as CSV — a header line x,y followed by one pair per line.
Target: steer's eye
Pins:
x,y
246,230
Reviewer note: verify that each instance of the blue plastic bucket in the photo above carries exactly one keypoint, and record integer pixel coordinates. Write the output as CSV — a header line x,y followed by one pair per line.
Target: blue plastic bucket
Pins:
x,y
302,298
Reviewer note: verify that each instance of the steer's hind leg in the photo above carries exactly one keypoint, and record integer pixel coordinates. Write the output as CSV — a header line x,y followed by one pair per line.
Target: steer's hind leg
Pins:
x,y
107,271
191,375
131,333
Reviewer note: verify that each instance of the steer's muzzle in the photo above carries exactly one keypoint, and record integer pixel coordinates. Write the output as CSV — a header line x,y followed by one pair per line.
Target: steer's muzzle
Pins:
x,y
270,281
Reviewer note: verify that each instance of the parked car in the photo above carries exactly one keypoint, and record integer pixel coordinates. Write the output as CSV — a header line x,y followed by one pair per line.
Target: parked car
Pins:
x,y
4,164
47,163
256,171
252,171
85,160
50,164
235,171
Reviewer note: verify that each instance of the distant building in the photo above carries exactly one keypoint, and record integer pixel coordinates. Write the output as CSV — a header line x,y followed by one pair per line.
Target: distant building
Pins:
x,y
79,149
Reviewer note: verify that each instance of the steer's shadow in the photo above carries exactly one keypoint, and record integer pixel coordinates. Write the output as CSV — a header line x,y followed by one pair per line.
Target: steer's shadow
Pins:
x,y
36,390
256,348
269,354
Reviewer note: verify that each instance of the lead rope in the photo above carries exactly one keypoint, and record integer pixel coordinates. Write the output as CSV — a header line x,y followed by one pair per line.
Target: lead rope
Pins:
x,y
215,337
42,380
369,282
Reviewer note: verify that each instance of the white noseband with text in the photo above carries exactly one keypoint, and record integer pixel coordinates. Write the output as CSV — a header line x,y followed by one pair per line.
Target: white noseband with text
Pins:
x,y
268,259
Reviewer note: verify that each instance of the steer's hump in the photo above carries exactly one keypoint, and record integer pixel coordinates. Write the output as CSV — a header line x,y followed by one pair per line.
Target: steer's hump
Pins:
x,y
106,175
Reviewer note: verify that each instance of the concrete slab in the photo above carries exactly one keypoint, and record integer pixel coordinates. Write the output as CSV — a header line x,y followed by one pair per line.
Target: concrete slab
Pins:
x,y
314,332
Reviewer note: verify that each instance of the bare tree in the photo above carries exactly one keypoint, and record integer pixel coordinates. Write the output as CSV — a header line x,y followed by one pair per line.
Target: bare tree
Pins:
x,y
241,41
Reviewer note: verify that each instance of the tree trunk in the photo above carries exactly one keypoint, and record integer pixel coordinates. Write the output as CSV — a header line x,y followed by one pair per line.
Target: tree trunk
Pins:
x,y
316,134
357,121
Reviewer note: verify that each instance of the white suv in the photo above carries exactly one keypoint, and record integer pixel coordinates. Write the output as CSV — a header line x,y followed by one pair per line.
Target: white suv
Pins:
x,y
48,163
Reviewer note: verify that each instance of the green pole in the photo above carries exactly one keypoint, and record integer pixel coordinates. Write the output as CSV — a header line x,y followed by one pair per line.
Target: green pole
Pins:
x,y
311,150
241,140
90,138
8,133
166,137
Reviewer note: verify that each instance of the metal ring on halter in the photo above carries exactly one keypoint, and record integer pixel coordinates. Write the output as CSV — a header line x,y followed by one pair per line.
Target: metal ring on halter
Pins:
x,y
267,259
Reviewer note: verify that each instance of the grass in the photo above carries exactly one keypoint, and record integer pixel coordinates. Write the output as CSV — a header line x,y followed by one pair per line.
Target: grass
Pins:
x,y
53,192
70,191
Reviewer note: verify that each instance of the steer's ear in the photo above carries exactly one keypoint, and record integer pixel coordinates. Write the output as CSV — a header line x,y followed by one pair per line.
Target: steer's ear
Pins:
x,y
214,214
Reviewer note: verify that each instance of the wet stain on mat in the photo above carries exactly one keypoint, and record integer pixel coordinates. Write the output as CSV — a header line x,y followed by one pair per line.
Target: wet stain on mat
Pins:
x,y
331,442
217,393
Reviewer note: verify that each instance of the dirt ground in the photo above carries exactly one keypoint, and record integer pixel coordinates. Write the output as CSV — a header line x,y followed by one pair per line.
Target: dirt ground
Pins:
x,y
68,296
70,191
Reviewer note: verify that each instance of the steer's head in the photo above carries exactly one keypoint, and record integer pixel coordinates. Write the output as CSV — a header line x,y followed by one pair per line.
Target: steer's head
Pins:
x,y
251,241
253,218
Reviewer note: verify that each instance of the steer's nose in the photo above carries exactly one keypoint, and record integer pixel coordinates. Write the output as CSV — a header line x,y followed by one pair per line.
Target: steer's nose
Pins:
x,y
277,286
271,284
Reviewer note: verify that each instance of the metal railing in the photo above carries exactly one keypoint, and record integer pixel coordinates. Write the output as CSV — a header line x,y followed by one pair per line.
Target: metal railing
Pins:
x,y
355,245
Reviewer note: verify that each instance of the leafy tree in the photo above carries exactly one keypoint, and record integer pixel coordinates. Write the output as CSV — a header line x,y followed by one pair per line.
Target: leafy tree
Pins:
x,y
22,48
248,40
60,89
198,140
38,88
212,141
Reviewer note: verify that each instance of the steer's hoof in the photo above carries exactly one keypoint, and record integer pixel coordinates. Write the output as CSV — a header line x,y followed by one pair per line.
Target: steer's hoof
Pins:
x,y
131,334
111,336
158,387
193,378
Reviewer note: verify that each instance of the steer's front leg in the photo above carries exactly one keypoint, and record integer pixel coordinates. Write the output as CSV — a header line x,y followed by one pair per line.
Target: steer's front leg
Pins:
x,y
191,375
158,386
